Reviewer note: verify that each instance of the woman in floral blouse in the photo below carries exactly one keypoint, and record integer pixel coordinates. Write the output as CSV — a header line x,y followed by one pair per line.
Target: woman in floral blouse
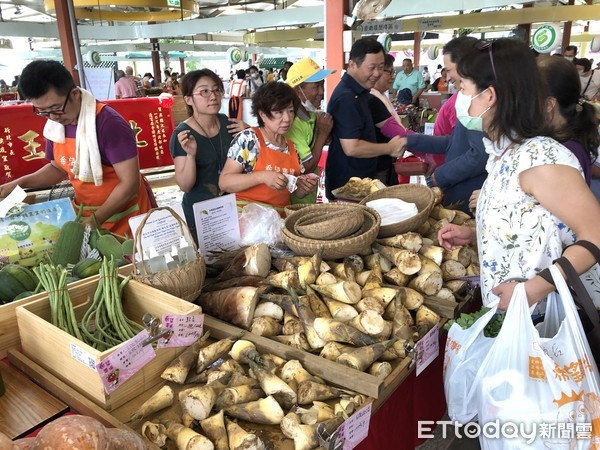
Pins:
x,y
262,164
535,200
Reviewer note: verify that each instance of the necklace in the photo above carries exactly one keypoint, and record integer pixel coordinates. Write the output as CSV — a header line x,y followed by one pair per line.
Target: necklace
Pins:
x,y
217,152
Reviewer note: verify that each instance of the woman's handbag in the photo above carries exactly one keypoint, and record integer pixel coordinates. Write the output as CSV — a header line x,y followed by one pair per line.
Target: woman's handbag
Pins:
x,y
587,312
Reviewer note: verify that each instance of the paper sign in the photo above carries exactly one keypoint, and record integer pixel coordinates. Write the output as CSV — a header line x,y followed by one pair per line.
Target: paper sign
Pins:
x,y
217,224
14,198
83,357
123,363
161,230
354,430
185,330
427,348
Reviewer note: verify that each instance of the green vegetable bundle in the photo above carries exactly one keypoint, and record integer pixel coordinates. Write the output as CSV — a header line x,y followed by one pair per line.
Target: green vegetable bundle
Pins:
x,y
54,280
466,320
105,325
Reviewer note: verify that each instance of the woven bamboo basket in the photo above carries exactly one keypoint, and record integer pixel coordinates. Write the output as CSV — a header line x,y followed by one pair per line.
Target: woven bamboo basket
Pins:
x,y
418,194
185,281
337,248
335,225
290,209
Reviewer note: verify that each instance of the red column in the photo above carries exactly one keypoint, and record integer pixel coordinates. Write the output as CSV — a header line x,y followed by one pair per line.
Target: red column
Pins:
x,y
334,49
65,35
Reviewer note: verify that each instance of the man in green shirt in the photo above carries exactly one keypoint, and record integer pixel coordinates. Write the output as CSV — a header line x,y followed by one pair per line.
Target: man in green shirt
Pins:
x,y
311,127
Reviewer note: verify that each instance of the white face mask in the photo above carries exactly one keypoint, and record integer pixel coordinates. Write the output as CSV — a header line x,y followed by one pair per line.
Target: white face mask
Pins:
x,y
569,58
307,103
462,105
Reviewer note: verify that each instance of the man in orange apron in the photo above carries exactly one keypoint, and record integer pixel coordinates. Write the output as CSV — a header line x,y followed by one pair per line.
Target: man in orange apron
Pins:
x,y
101,162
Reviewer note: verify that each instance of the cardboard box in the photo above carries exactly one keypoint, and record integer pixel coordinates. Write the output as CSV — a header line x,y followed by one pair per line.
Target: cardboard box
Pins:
x,y
55,350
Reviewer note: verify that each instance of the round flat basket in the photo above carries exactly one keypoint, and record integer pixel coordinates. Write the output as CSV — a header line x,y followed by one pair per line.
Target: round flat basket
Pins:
x,y
338,248
418,194
290,209
334,225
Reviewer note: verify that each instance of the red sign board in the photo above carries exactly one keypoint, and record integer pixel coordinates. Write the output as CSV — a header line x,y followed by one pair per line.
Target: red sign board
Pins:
x,y
22,144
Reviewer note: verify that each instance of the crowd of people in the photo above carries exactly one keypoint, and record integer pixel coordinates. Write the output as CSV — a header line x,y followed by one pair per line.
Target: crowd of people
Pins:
x,y
516,149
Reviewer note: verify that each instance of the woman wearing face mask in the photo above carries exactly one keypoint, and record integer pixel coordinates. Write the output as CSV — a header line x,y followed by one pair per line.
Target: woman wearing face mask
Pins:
x,y
464,168
534,201
261,161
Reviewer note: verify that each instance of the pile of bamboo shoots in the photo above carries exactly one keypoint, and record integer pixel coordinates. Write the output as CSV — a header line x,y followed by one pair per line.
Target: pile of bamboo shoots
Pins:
x,y
226,395
362,311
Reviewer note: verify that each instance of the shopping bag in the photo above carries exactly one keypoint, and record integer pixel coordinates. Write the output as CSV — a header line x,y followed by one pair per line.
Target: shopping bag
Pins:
x,y
465,351
540,392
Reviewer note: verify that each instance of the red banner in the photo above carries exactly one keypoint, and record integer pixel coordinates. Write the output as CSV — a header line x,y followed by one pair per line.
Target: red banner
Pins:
x,y
22,144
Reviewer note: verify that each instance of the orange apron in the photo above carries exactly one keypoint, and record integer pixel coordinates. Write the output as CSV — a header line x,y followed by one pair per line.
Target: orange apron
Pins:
x,y
92,197
269,159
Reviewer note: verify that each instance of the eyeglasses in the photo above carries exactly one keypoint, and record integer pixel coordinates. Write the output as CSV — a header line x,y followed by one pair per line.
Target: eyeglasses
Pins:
x,y
206,93
392,72
56,112
488,45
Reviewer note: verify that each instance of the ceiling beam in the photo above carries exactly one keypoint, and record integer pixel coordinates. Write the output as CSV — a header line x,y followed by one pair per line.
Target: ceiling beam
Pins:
x,y
505,17
241,22
259,37
402,8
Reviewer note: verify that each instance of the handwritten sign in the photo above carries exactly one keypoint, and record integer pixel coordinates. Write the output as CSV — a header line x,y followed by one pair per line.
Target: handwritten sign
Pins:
x,y
123,363
354,430
185,330
427,349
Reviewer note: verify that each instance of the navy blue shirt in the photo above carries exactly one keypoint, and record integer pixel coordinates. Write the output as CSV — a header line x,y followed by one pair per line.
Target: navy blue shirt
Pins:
x,y
464,169
349,107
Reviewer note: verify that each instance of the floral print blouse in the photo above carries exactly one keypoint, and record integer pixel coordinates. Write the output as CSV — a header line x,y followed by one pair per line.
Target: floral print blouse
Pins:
x,y
244,149
516,236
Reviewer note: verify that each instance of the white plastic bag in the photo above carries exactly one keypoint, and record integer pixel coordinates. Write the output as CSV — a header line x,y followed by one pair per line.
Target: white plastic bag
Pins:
x,y
260,224
547,384
465,351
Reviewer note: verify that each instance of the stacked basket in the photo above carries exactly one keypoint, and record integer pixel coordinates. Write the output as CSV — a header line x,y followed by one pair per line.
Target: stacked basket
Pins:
x,y
342,229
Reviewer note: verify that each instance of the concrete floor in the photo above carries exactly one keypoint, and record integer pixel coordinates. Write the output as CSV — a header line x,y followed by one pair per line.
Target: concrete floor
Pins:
x,y
450,442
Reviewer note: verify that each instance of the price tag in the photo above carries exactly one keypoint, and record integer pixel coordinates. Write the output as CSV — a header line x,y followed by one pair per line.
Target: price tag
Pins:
x,y
354,430
123,363
185,330
427,348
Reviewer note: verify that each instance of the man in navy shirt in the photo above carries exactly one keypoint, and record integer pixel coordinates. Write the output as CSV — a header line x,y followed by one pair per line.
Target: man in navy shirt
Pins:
x,y
354,149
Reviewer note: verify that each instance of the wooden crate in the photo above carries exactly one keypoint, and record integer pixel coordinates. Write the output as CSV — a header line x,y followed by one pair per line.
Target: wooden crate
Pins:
x,y
52,348
9,331
334,373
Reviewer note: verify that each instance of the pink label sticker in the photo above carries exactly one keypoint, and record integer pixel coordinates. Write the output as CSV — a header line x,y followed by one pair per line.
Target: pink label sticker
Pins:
x,y
185,330
428,348
354,430
123,363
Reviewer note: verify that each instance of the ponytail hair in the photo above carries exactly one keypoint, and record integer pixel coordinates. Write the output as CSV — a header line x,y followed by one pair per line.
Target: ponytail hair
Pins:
x,y
563,83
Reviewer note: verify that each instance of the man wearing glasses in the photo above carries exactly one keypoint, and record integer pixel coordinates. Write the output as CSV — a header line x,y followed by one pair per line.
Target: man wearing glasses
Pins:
x,y
88,143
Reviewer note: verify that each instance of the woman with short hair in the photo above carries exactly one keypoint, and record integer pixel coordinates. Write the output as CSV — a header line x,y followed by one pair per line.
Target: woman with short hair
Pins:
x,y
261,159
